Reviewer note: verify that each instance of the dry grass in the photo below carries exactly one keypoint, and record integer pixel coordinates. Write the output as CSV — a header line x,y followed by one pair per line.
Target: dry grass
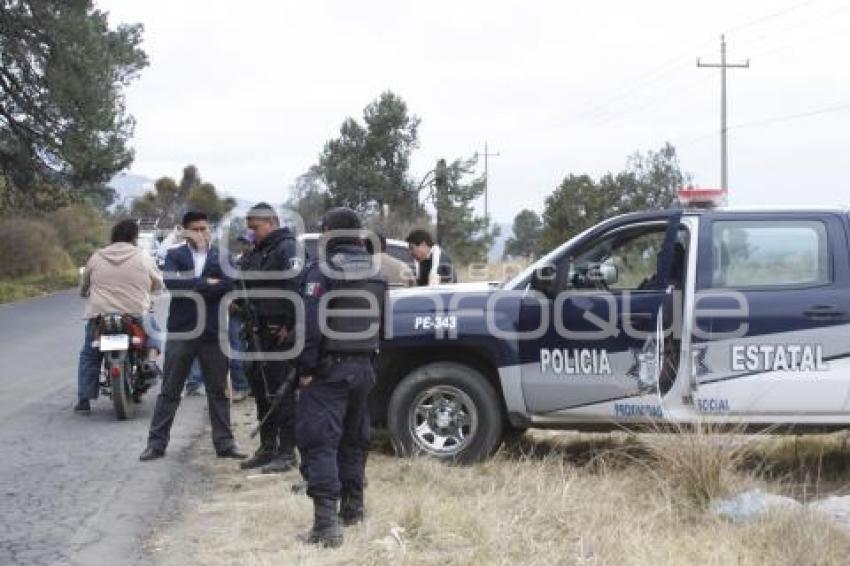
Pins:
x,y
551,498
700,463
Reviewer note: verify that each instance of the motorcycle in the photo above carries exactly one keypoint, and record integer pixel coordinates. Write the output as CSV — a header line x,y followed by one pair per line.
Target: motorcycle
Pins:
x,y
124,376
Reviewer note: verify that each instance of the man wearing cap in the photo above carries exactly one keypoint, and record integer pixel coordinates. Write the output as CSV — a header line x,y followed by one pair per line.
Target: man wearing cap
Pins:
x,y
335,373
272,330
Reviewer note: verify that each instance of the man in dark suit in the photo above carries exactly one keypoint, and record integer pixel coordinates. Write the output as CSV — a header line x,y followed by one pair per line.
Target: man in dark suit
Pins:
x,y
195,278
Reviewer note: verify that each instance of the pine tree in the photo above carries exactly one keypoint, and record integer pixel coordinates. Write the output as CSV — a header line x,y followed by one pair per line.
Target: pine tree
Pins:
x,y
466,236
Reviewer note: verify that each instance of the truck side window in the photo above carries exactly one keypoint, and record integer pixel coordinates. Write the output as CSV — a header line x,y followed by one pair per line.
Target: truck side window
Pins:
x,y
766,253
626,259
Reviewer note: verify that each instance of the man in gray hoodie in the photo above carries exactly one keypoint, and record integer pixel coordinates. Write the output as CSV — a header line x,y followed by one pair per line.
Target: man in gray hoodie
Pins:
x,y
119,278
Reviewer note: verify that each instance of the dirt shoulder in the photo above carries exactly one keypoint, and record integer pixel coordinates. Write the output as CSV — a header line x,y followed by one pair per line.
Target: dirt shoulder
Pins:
x,y
553,498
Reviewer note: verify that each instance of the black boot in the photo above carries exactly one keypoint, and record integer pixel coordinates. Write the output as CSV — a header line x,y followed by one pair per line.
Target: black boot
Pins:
x,y
352,509
261,457
326,531
282,462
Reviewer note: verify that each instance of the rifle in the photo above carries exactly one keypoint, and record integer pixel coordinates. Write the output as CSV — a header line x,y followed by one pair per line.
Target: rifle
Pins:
x,y
288,381
247,308
277,398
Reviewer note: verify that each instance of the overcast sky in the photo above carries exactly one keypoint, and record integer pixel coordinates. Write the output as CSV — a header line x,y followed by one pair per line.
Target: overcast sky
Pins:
x,y
250,91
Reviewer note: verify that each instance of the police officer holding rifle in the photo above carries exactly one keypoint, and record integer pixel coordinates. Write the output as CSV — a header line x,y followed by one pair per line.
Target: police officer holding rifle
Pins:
x,y
269,327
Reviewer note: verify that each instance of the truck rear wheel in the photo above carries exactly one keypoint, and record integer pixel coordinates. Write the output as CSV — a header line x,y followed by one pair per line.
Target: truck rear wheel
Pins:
x,y
446,410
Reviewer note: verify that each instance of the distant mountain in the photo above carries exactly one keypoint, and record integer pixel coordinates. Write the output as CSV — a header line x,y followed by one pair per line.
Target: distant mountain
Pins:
x,y
498,247
129,186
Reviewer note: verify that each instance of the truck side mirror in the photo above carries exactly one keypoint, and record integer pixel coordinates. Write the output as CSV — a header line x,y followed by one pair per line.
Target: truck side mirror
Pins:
x,y
606,273
544,279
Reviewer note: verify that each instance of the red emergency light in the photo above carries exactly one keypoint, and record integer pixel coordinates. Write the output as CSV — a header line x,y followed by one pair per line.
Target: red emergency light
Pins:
x,y
692,197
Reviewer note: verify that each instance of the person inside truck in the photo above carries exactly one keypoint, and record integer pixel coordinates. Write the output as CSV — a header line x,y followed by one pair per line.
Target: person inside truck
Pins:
x,y
433,264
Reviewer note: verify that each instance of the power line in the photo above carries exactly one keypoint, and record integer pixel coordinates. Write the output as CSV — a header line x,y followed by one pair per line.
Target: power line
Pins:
x,y
640,83
807,41
765,121
679,90
752,41
777,119
629,88
681,87
647,82
771,16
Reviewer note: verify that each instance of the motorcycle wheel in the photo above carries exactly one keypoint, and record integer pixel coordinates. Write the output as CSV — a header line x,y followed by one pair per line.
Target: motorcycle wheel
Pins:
x,y
122,396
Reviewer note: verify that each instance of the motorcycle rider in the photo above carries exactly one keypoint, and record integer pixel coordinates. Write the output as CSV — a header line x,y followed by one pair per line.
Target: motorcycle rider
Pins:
x,y
119,278
270,329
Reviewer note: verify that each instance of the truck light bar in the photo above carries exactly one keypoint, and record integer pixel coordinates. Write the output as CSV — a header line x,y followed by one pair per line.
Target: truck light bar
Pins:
x,y
691,197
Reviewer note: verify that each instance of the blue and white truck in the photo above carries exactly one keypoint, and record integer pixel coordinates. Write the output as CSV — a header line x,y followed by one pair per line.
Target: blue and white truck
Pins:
x,y
703,315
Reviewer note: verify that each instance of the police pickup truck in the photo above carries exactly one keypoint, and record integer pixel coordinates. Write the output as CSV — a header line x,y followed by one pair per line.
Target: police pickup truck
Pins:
x,y
723,316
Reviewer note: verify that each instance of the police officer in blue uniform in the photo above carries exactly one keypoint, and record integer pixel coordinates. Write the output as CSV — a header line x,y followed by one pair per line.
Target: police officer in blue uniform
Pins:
x,y
335,374
271,330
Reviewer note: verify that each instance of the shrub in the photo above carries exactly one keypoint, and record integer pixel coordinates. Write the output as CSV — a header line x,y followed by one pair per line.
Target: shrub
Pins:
x,y
81,230
702,461
30,247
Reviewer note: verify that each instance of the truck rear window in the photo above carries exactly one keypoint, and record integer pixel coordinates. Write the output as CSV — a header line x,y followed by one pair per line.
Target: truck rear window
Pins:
x,y
769,253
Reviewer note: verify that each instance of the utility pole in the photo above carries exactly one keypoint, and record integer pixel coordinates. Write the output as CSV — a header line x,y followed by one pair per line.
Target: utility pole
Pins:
x,y
441,192
723,65
487,155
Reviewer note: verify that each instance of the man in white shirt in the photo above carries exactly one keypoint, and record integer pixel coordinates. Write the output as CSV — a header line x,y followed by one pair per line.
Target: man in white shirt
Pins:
x,y
195,272
433,264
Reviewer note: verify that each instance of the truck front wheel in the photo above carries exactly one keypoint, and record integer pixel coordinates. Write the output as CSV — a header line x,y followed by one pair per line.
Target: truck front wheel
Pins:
x,y
446,410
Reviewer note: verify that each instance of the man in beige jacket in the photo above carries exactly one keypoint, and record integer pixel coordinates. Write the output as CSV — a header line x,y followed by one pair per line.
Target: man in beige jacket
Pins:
x,y
119,278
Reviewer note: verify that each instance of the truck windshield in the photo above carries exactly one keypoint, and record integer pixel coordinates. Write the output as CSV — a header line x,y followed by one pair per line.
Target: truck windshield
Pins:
x,y
522,280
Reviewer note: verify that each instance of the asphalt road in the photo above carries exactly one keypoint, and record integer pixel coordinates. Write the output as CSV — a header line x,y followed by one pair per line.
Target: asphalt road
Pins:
x,y
72,490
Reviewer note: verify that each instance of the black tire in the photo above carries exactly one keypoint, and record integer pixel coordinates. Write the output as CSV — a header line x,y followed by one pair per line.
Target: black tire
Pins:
x,y
511,433
459,417
122,397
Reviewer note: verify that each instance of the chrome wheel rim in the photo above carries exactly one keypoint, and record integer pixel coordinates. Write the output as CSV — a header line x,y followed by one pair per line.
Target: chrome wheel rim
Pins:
x,y
443,420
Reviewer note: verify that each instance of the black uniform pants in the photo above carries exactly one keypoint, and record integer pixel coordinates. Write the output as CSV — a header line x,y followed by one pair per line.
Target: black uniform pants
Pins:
x,y
333,425
179,355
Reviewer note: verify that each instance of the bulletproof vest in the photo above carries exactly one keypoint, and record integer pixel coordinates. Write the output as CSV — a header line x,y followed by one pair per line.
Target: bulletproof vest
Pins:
x,y
350,312
276,255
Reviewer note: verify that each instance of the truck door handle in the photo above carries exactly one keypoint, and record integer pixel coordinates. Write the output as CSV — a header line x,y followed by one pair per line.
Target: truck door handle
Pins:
x,y
823,312
638,315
